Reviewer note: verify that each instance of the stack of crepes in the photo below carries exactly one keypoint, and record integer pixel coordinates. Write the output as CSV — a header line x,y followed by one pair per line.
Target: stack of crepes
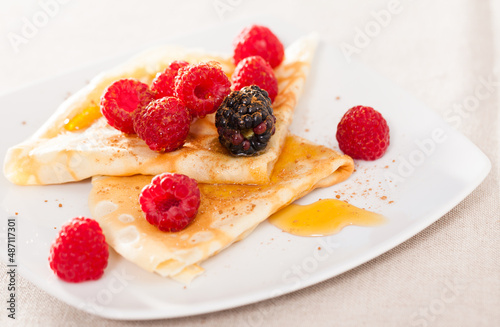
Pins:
x,y
237,193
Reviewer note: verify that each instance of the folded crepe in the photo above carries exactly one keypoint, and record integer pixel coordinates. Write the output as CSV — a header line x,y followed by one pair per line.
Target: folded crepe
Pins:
x,y
55,154
227,213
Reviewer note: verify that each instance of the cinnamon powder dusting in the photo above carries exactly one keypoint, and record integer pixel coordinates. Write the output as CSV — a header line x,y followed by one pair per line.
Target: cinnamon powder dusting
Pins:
x,y
361,178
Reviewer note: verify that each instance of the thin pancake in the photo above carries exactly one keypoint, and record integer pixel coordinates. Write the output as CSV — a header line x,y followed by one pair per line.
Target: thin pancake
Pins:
x,y
227,212
55,155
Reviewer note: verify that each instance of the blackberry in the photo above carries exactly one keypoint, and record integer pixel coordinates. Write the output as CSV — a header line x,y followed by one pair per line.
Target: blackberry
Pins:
x,y
245,121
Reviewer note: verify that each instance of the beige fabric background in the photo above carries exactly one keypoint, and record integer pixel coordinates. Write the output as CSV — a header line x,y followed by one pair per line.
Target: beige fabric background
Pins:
x,y
437,50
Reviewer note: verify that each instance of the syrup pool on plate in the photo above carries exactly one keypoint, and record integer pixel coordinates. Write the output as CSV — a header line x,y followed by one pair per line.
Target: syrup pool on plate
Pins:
x,y
321,218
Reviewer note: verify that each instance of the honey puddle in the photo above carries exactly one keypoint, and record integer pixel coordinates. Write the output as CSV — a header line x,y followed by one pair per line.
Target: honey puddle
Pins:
x,y
321,218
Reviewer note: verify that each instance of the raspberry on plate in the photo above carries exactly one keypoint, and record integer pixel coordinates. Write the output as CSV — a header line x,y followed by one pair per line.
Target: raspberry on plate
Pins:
x,y
245,121
163,124
255,70
202,87
363,133
121,99
79,253
256,40
170,202
163,84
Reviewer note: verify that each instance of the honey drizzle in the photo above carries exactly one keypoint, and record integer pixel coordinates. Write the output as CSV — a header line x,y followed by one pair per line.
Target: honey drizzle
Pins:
x,y
321,218
83,119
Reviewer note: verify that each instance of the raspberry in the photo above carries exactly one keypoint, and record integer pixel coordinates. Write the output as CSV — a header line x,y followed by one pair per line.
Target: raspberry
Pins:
x,y
121,99
363,133
170,201
164,83
255,71
202,87
258,40
79,252
245,121
163,124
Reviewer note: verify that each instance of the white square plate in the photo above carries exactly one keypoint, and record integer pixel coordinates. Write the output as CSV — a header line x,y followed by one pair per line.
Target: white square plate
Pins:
x,y
428,169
